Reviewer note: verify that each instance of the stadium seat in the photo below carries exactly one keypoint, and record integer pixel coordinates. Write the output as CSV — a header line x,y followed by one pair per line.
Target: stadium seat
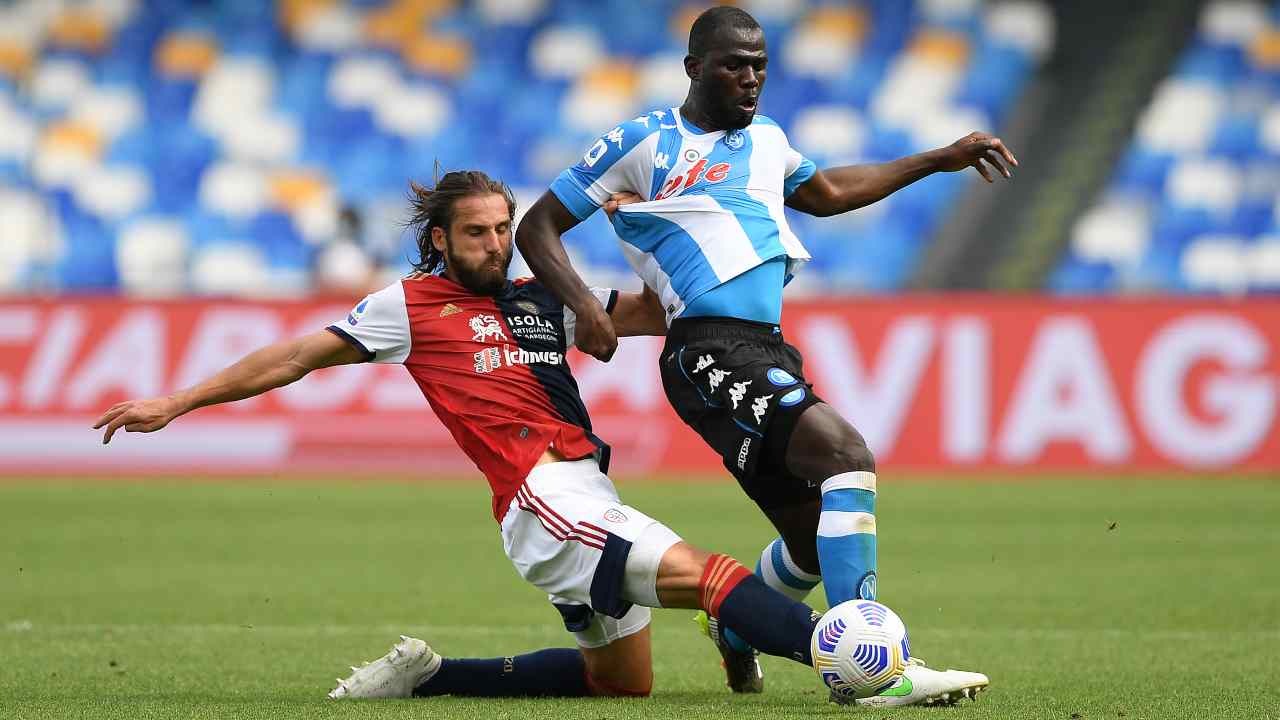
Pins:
x,y
260,123
1204,161
151,255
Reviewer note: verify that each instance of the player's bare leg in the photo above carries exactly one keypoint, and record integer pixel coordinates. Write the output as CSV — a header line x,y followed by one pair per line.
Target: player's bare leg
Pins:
x,y
623,668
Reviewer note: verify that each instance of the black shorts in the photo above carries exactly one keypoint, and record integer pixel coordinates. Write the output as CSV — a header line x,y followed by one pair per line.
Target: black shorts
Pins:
x,y
742,388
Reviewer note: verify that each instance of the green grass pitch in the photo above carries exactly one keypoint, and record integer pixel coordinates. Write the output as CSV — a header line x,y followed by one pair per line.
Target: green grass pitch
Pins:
x,y
1081,598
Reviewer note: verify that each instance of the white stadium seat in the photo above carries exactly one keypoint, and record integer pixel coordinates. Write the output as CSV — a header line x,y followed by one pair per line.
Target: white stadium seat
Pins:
x,y
29,234
662,80
233,88
562,51
1235,22
914,87
834,131
59,82
230,269
1114,231
236,190
1216,262
1263,261
359,81
331,29
510,12
1024,24
344,266
18,139
1211,184
412,111
113,193
151,257
271,138
111,111
1181,117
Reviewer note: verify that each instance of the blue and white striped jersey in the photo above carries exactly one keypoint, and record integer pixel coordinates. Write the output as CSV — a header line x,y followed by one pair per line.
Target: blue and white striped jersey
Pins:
x,y
714,200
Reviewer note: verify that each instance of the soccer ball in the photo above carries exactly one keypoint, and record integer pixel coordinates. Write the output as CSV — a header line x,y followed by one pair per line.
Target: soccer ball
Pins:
x,y
859,648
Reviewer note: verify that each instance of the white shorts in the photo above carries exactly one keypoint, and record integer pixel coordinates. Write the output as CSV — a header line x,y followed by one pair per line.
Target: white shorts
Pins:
x,y
567,532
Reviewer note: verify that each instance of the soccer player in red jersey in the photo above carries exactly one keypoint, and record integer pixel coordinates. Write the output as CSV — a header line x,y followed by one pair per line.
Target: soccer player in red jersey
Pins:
x,y
488,355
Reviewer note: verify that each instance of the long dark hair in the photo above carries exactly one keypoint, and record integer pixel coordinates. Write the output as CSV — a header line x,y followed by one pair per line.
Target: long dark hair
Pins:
x,y
433,208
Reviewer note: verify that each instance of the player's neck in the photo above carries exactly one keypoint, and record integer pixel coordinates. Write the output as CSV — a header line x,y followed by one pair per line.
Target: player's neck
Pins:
x,y
693,115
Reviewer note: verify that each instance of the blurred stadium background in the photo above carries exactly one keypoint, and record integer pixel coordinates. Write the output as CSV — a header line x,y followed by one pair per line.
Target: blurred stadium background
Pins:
x,y
180,181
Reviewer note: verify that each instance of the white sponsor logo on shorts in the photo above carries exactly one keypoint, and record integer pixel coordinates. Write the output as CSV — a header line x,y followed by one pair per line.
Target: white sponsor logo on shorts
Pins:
x,y
742,453
760,407
737,391
716,376
703,363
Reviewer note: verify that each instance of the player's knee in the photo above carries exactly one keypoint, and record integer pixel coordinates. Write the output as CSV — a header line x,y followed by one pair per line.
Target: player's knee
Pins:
x,y
853,455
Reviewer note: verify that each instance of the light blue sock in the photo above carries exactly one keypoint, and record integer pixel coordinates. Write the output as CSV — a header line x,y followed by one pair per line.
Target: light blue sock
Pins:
x,y
780,572
847,537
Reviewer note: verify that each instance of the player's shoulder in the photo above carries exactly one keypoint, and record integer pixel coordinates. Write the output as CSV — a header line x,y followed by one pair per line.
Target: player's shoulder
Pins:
x,y
629,133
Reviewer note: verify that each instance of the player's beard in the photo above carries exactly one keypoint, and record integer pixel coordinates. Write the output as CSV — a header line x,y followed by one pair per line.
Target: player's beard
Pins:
x,y
486,279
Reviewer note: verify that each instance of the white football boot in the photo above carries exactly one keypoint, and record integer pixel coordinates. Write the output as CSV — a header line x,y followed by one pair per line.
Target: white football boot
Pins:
x,y
407,665
920,685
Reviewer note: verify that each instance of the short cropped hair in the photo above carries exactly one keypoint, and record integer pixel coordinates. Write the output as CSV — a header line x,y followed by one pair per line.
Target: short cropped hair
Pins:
x,y
709,24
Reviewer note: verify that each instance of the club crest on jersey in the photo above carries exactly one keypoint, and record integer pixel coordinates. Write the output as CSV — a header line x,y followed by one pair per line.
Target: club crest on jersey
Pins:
x,y
678,184
486,327
735,140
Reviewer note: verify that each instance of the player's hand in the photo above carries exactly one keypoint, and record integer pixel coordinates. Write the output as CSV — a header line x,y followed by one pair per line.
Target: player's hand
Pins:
x,y
138,416
594,335
619,199
978,150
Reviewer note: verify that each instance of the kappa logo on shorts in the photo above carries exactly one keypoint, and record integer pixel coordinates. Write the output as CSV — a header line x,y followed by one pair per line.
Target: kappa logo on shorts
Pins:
x,y
780,377
703,363
715,377
760,406
742,453
737,391
614,515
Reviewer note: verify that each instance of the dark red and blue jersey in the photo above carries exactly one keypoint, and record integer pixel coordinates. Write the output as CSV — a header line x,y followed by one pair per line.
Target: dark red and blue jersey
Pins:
x,y
492,368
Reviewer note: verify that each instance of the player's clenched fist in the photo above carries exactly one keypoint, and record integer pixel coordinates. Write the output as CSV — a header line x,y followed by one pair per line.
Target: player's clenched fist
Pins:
x,y
594,334
977,150
138,416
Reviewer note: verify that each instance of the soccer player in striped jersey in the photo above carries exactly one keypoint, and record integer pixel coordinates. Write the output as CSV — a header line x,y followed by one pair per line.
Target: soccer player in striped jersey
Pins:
x,y
488,355
709,236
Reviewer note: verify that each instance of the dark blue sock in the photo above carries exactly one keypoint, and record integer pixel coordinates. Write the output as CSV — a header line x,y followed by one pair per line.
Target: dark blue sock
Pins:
x,y
769,621
557,672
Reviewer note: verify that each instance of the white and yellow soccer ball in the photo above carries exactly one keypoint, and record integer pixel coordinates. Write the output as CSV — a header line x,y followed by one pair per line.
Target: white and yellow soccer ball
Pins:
x,y
859,648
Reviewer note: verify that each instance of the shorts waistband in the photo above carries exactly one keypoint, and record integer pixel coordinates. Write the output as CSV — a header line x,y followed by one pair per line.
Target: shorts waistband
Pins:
x,y
703,328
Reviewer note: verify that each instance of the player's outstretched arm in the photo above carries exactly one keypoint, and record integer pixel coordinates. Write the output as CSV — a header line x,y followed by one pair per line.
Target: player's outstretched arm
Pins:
x,y
270,367
841,189
639,314
538,237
